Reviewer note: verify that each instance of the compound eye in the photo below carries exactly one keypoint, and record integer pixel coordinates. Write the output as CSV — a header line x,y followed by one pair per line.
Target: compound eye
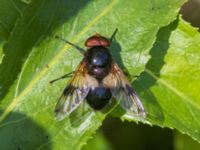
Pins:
x,y
97,40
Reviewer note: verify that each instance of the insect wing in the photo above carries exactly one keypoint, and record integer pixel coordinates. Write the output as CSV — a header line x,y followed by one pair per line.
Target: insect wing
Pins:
x,y
129,100
122,91
73,94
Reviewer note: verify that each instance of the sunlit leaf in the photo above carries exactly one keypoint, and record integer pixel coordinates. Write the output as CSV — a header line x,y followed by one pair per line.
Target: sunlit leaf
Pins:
x,y
169,86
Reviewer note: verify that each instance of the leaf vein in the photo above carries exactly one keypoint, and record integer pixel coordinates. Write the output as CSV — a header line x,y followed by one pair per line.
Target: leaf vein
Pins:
x,y
173,89
16,7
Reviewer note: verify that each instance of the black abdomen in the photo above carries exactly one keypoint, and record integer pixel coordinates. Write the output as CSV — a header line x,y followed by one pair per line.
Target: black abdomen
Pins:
x,y
98,97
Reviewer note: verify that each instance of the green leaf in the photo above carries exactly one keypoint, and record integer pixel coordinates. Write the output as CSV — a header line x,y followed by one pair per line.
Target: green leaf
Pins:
x,y
2,42
33,57
169,86
10,11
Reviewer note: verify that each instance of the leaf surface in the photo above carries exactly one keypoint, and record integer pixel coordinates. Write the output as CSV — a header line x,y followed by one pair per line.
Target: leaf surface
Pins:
x,y
169,86
33,57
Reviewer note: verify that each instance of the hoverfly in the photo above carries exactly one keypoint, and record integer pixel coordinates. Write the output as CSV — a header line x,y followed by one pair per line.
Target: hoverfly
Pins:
x,y
97,80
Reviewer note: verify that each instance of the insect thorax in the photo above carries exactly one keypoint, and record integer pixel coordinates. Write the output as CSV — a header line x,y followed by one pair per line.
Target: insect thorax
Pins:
x,y
99,61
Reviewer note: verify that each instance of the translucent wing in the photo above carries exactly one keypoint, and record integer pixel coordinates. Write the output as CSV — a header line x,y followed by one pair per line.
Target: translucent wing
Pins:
x,y
75,92
122,91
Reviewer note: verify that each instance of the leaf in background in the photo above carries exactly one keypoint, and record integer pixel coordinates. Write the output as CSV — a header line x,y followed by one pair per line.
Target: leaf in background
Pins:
x,y
129,135
2,42
98,142
169,86
34,57
184,142
10,11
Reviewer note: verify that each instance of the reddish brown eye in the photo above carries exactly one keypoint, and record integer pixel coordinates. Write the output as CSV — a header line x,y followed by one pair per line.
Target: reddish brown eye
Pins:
x,y
97,40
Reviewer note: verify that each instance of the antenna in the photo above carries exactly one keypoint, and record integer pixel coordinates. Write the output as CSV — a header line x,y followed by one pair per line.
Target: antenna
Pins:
x,y
113,35
81,50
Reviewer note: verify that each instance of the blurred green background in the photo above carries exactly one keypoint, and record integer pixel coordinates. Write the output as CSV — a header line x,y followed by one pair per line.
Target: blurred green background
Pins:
x,y
117,135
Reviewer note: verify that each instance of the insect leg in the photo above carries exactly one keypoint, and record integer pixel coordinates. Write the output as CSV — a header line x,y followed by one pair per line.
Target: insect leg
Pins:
x,y
81,50
62,77
113,35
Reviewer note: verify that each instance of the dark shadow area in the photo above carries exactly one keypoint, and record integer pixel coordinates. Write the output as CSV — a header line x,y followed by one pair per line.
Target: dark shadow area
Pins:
x,y
39,21
8,16
190,12
155,64
115,50
130,136
1,40
19,132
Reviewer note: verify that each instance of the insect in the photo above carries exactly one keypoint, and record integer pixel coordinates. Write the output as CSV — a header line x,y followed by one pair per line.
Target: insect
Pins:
x,y
97,80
